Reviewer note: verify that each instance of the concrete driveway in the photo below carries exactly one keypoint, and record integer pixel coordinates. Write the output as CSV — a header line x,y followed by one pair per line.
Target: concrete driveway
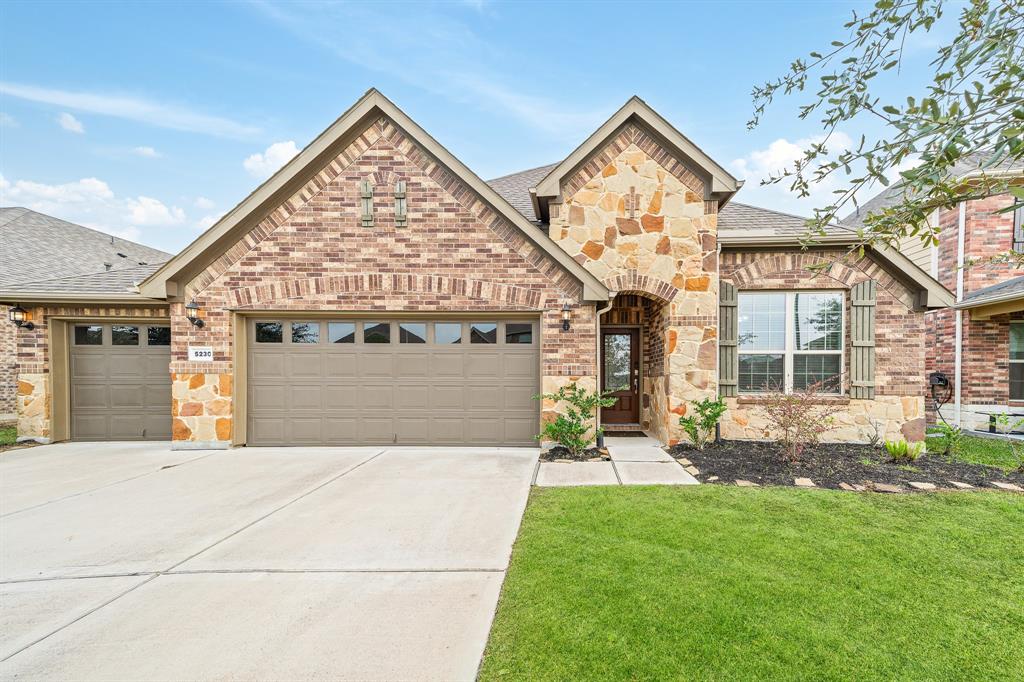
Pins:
x,y
129,561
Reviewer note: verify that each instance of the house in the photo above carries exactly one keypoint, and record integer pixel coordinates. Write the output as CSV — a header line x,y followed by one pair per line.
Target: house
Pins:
x,y
979,342
75,260
375,290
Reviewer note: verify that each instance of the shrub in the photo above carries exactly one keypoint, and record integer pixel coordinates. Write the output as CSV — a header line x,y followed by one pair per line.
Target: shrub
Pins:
x,y
572,429
949,439
799,418
1016,447
700,427
902,451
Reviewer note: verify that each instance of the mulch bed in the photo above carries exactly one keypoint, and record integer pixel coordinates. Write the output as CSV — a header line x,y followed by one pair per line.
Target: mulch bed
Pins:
x,y
558,453
828,465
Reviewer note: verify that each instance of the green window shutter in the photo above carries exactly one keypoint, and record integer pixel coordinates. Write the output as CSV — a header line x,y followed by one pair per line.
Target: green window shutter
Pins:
x,y
728,337
862,333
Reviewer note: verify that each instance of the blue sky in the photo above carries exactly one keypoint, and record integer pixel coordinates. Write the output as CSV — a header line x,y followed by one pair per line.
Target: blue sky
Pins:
x,y
150,120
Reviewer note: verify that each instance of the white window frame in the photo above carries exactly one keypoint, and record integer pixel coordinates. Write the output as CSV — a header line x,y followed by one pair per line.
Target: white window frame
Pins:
x,y
1009,349
790,350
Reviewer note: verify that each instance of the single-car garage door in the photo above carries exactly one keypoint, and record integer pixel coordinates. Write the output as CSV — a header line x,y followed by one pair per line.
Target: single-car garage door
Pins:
x,y
120,381
375,381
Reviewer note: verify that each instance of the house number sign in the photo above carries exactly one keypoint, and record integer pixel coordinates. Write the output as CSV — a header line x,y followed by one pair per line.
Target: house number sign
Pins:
x,y
200,354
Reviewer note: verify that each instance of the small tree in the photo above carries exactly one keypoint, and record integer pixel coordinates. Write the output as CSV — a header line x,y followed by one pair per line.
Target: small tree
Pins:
x,y
572,429
700,427
799,418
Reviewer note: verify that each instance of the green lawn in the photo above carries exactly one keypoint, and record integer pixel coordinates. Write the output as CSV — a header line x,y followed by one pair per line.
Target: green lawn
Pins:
x,y
8,434
725,583
979,450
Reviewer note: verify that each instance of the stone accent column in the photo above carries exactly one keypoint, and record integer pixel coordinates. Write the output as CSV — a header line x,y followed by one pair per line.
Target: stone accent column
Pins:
x,y
201,411
33,403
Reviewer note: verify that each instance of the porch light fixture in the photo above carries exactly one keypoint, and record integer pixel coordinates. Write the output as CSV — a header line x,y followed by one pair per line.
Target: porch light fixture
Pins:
x,y
192,312
566,312
21,317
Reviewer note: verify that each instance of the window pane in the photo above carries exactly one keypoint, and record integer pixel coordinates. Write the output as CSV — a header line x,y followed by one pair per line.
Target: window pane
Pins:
x,y
810,369
269,332
618,356
376,332
518,332
762,322
759,373
819,321
159,336
124,335
305,332
88,335
412,332
447,332
341,332
1017,341
1016,381
483,332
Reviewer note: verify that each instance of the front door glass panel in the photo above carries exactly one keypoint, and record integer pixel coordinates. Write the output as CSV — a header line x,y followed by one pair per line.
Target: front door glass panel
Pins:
x,y
618,353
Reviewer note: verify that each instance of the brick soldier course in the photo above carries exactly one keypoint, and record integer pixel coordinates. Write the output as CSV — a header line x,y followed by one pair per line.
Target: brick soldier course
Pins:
x,y
628,225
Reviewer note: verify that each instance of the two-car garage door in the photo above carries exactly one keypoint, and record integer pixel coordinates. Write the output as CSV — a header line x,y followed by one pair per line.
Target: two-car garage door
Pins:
x,y
376,381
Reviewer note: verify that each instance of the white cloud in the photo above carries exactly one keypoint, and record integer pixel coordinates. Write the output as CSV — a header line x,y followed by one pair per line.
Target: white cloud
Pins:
x,y
276,155
204,203
70,123
147,152
6,120
132,108
208,220
778,156
92,202
147,211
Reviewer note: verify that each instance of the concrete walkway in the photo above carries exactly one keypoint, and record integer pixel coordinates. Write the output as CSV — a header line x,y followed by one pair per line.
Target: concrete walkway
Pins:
x,y
128,561
635,461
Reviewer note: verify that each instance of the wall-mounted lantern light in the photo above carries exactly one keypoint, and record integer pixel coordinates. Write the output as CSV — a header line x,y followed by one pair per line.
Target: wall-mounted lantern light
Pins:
x,y
21,317
566,313
193,312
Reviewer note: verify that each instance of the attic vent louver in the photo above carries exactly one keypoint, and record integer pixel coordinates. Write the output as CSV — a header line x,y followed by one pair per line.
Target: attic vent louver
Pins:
x,y
366,198
401,216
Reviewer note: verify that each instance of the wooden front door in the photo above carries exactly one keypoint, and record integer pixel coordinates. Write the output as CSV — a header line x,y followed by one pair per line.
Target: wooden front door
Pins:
x,y
620,374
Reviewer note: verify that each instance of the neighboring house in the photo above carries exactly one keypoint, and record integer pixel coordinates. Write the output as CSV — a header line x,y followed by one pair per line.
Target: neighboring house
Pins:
x,y
42,253
375,290
978,343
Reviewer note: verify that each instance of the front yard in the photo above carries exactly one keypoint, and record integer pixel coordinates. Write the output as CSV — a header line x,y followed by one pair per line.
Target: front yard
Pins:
x,y
716,582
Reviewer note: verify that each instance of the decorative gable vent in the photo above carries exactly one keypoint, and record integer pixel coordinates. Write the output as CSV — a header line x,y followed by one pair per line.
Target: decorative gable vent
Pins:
x,y
366,199
401,210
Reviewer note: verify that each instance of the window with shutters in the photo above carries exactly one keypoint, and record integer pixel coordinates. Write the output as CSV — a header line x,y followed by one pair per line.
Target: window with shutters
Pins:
x,y
1018,229
1017,361
790,340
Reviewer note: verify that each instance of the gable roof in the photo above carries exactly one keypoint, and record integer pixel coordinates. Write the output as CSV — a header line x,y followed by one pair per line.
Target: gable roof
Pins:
x,y
29,238
720,185
315,156
515,188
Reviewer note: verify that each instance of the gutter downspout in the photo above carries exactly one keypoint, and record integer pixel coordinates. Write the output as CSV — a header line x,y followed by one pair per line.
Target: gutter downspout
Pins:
x,y
958,357
597,358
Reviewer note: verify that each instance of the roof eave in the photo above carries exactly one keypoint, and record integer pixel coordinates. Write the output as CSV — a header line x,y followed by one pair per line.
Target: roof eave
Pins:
x,y
58,297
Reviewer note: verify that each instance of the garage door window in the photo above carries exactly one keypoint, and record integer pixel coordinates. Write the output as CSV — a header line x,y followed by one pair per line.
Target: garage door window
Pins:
x,y
376,332
88,335
124,335
305,332
341,332
447,332
159,336
412,332
483,332
269,332
518,332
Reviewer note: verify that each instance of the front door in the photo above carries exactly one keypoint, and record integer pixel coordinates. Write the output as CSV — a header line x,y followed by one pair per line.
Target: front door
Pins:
x,y
620,374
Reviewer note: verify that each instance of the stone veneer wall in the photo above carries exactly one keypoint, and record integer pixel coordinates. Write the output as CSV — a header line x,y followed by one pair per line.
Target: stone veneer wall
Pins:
x,y
635,217
900,333
456,254
34,394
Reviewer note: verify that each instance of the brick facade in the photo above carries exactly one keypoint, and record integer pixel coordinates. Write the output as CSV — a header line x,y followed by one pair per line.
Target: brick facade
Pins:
x,y
985,346
8,371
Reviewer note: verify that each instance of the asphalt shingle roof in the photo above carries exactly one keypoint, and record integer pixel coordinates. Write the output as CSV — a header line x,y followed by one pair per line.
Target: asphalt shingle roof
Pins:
x,y
42,253
996,291
515,188
892,195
